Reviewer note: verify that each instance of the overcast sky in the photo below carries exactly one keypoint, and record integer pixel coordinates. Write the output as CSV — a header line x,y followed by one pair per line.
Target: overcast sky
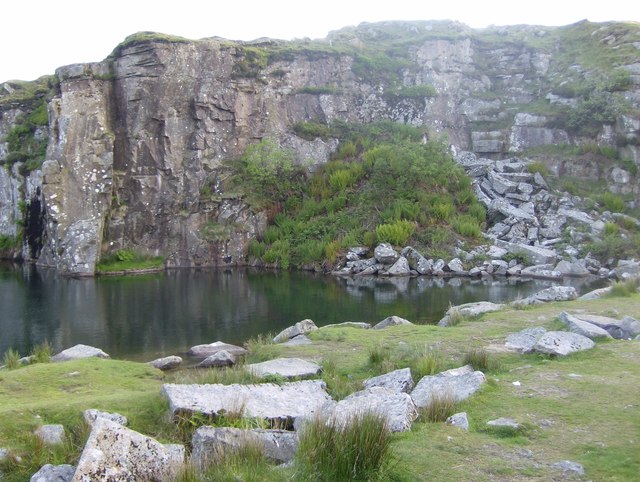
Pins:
x,y
38,36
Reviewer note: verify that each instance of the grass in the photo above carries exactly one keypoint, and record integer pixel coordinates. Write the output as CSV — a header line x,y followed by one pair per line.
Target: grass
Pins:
x,y
480,359
11,359
624,288
440,407
129,260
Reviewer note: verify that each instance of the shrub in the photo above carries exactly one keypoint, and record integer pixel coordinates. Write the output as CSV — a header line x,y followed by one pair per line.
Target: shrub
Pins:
x,y
612,202
440,407
312,130
42,353
11,359
443,210
397,233
256,249
339,385
455,316
624,288
425,363
611,229
261,348
467,226
477,211
538,167
246,462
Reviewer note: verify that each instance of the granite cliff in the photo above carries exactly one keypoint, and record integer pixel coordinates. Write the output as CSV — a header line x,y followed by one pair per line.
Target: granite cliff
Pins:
x,y
132,141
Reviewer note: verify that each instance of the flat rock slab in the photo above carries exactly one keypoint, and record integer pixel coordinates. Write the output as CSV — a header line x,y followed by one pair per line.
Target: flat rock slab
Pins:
x,y
562,343
391,321
203,351
459,420
350,324
285,367
278,403
525,340
595,294
471,310
301,328
114,452
619,329
459,387
77,352
91,415
581,327
399,381
166,363
54,473
397,408
211,443
504,422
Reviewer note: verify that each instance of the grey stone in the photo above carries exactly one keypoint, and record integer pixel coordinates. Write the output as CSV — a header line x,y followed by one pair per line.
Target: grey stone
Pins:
x,y
279,403
572,268
54,473
361,265
397,408
541,271
218,360
301,328
203,351
400,268
507,209
501,184
416,261
562,343
584,328
569,467
438,267
357,252
166,363
471,310
4,455
284,367
595,294
91,415
114,452
398,381
298,341
455,266
391,321
535,254
575,215
210,444
456,372
495,252
504,422
459,387
459,420
525,340
556,293
50,434
627,269
350,324
385,254
77,352
620,329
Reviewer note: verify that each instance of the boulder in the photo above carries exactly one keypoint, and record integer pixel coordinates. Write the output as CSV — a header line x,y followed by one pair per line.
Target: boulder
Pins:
x,y
50,434
400,268
203,351
114,452
397,408
220,359
361,265
495,252
459,420
504,422
619,329
79,351
471,310
508,210
458,386
556,293
391,321
284,367
356,252
298,341
350,324
166,363
54,473
595,294
562,343
576,215
301,328
278,403
455,266
572,268
525,340
417,262
569,468
535,254
91,415
627,269
581,327
543,271
385,254
209,444
399,381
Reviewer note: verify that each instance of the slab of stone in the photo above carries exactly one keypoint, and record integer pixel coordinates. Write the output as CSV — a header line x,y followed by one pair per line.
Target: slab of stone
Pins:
x,y
581,327
456,372
619,329
562,343
399,381
203,351
556,293
525,340
569,467
507,209
542,271
114,452
398,409
284,367
54,473
391,321
210,444
504,422
50,434
385,254
595,294
416,261
400,268
350,324
535,254
220,359
572,268
91,415
277,403
301,328
459,420
166,363
460,387
77,352
471,310
298,341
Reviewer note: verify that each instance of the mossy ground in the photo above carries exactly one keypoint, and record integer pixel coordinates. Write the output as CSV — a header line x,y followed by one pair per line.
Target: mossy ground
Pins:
x,y
582,408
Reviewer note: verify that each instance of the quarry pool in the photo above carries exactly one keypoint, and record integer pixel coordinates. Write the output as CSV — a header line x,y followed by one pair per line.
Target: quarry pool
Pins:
x,y
148,316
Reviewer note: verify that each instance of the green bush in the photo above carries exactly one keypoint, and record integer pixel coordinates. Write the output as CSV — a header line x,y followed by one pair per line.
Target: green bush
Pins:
x,y
278,253
612,202
42,353
312,130
538,167
397,233
256,249
480,359
11,359
624,288
443,210
467,226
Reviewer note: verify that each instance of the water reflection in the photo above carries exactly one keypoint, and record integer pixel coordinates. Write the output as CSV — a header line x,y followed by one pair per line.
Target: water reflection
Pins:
x,y
148,316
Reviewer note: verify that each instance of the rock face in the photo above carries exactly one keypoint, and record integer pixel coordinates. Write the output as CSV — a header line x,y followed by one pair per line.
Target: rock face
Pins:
x,y
285,367
79,351
277,403
113,452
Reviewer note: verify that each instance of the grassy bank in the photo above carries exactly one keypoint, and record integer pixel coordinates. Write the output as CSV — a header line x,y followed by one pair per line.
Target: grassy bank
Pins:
x,y
582,408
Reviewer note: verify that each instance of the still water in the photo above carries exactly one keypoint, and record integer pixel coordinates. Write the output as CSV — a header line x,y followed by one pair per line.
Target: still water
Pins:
x,y
144,317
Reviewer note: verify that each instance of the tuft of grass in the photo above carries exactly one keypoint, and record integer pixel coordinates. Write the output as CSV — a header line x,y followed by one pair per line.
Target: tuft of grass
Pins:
x,y
357,450
11,359
128,260
624,288
339,385
42,353
245,463
261,348
456,316
440,407
481,359
223,376
425,364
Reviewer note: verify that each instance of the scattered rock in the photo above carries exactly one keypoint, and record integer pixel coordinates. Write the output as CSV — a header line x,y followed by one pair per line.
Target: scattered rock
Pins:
x,y
459,387
525,340
50,434
400,268
54,473
79,351
584,328
285,367
220,359
455,266
459,420
350,324
211,443
619,329
562,343
298,341
114,452
399,381
203,351
535,254
166,363
301,328
569,467
385,254
556,293
91,415
595,294
572,268
416,261
391,321
471,310
279,403
504,422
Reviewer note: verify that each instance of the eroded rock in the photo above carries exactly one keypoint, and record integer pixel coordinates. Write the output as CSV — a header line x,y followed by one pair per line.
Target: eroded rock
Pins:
x,y
458,387
398,381
166,363
301,328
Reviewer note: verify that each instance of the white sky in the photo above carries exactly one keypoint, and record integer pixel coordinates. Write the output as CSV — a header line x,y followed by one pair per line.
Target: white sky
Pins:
x,y
37,36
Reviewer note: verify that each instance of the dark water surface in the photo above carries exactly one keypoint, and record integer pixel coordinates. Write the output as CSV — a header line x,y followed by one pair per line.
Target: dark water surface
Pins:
x,y
144,317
